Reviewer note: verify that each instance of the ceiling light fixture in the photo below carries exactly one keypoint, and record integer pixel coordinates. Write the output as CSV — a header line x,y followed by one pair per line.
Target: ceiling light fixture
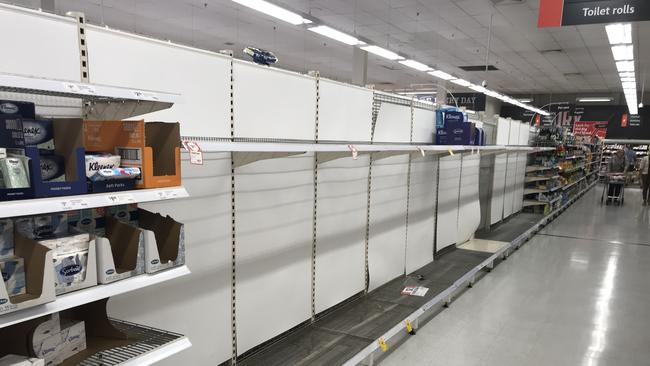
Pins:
x,y
274,11
632,79
627,75
461,82
477,88
595,99
629,85
619,33
382,52
441,75
332,33
415,65
525,100
623,52
625,66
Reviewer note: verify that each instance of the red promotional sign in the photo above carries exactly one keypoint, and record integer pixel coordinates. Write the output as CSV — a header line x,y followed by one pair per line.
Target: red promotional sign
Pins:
x,y
550,13
582,128
624,120
538,120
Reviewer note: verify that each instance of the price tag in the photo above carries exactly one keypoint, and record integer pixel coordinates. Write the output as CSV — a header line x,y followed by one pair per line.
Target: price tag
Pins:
x,y
382,345
196,155
450,152
145,95
421,151
80,88
167,195
355,152
74,204
409,326
120,199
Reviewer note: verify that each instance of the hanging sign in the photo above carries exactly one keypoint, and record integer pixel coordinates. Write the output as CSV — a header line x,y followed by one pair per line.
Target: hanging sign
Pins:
x,y
584,128
473,101
196,155
558,13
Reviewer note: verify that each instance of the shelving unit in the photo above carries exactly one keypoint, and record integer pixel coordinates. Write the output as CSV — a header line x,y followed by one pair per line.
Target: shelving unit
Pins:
x,y
145,345
66,203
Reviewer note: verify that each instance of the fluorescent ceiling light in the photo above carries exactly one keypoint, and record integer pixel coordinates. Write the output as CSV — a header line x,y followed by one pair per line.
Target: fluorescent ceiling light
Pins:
x,y
623,52
274,11
415,65
382,52
634,109
478,88
628,79
441,75
627,75
595,99
629,85
619,33
461,82
332,33
624,66
525,100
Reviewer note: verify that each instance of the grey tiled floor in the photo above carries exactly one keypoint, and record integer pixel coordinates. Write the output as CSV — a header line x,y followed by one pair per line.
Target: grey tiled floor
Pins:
x,y
578,294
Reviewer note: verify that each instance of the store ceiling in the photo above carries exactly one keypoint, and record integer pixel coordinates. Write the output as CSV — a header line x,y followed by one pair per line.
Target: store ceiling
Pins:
x,y
446,34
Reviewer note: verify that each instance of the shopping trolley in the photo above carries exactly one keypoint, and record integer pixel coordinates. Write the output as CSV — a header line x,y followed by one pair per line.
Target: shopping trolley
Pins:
x,y
614,180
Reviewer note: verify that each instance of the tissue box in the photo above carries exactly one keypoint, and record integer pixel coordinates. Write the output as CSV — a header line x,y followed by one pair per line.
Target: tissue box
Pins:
x,y
456,133
6,238
15,360
38,133
17,109
74,261
52,166
454,117
42,226
70,269
50,348
13,275
95,163
14,172
73,340
93,220
43,331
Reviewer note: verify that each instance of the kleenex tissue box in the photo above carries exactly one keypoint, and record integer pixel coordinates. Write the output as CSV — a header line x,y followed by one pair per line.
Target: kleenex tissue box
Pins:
x,y
6,238
44,330
13,275
97,162
73,340
52,166
39,133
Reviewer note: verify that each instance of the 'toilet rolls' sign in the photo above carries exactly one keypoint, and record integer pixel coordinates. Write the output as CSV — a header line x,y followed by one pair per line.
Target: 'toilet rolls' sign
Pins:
x,y
558,13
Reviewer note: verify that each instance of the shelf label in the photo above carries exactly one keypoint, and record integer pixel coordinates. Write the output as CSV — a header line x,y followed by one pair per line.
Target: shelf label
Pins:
x,y
167,195
145,95
355,152
120,199
74,204
421,151
196,155
80,88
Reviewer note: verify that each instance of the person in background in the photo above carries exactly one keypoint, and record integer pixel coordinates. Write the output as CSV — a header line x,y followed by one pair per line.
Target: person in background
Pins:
x,y
645,180
630,157
617,165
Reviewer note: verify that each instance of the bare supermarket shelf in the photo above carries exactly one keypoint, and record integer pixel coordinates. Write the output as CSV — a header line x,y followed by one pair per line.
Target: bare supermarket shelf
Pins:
x,y
67,203
101,102
92,294
539,179
572,169
538,168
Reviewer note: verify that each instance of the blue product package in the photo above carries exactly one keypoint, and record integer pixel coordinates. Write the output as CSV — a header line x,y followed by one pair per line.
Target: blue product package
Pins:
x,y
52,166
452,117
11,132
440,115
13,275
39,133
6,238
17,109
456,133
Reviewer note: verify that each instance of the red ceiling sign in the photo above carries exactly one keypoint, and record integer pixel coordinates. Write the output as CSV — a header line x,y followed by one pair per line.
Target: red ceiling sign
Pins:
x,y
624,120
583,128
557,13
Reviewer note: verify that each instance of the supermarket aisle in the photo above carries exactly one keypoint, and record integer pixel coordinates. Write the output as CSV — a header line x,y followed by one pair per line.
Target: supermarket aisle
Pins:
x,y
575,295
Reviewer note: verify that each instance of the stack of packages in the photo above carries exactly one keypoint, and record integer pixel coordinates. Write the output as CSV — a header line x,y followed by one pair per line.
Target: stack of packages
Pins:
x,y
70,250
16,360
14,165
12,268
104,166
55,340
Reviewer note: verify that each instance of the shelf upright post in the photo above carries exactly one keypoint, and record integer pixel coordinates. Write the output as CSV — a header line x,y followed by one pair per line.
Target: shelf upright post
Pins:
x,y
83,46
376,104
408,185
316,76
233,217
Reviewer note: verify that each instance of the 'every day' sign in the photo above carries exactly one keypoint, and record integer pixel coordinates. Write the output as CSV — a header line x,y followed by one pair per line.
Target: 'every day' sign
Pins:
x,y
557,13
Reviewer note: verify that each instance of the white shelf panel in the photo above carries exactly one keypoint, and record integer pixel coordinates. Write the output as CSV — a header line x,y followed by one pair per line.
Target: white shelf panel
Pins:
x,y
160,353
92,294
66,203
106,102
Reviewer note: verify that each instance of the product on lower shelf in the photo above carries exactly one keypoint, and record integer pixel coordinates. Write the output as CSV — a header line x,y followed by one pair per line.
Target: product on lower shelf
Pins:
x,y
16,360
56,340
13,275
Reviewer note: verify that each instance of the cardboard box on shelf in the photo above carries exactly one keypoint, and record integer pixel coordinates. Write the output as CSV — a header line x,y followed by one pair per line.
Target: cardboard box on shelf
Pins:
x,y
120,254
154,147
73,340
39,277
17,360
68,134
49,326
14,108
75,262
164,241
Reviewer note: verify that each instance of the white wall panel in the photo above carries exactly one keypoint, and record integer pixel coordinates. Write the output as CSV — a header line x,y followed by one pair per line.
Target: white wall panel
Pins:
x,y
448,191
424,125
422,205
341,229
197,305
511,173
274,237
273,103
522,159
503,131
498,188
469,211
387,220
345,112
393,123
38,44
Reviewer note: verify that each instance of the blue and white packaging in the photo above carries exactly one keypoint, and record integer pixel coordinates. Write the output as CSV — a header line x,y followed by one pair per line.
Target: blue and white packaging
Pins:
x,y
116,173
17,109
44,330
52,166
38,133
50,349
454,117
97,162
73,340
456,133
42,226
16,360
72,261
6,238
13,275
